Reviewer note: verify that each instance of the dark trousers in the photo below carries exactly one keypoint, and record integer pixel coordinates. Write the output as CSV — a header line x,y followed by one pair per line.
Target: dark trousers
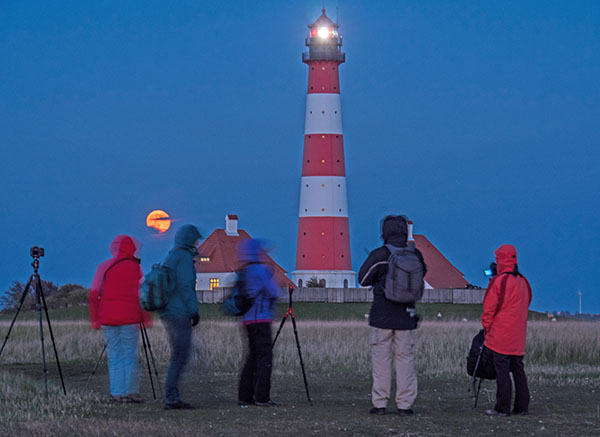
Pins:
x,y
255,379
505,365
179,331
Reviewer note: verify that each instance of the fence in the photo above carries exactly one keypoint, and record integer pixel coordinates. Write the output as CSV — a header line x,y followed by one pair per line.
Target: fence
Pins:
x,y
341,295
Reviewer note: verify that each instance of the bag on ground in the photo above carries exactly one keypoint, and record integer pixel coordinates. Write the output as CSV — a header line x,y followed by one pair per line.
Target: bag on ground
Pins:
x,y
238,302
404,280
156,288
480,359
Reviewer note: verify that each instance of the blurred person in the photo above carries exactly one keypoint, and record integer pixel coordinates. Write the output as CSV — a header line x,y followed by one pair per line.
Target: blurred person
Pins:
x,y
504,320
257,278
114,307
181,312
392,324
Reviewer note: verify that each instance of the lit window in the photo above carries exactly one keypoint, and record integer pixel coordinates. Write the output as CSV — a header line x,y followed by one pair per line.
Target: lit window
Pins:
x,y
214,283
204,259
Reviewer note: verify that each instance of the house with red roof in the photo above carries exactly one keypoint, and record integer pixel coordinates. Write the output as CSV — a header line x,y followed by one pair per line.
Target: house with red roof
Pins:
x,y
440,272
217,261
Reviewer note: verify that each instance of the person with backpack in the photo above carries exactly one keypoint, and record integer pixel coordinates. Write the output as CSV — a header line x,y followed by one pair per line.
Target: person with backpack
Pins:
x,y
114,308
504,320
181,312
392,317
257,280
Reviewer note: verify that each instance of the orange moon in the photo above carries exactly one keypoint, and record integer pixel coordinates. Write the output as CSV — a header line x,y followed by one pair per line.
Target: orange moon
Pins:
x,y
158,220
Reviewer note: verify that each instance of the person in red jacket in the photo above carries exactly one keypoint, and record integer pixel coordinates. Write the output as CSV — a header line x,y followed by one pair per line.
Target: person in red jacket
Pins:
x,y
504,320
114,307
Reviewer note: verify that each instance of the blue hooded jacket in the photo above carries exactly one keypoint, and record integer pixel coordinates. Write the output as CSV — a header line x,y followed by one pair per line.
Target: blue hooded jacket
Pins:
x,y
259,282
183,301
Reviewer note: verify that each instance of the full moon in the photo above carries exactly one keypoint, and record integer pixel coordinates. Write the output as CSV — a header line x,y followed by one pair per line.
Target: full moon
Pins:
x,y
158,220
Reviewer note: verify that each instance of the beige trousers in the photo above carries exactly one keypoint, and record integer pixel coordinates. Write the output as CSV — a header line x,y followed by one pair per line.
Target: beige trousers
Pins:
x,y
388,344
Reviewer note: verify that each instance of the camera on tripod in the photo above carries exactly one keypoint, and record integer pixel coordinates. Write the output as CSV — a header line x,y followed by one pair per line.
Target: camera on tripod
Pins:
x,y
36,252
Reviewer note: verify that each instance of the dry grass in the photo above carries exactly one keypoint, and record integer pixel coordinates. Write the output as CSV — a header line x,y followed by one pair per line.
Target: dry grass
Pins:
x,y
336,354
564,350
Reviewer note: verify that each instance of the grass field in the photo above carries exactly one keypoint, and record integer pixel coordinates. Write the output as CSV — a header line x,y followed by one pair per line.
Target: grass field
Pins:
x,y
562,361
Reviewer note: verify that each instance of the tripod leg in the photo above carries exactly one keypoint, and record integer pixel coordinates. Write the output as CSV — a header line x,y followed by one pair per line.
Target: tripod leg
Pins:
x,y
96,366
301,361
148,365
477,394
145,333
38,300
16,314
280,326
43,299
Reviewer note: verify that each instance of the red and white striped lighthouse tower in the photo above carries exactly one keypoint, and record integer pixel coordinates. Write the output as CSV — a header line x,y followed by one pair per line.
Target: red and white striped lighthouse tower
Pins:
x,y
323,249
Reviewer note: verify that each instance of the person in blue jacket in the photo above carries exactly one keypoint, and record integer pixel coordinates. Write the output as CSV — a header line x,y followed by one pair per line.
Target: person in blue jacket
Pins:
x,y
181,312
257,277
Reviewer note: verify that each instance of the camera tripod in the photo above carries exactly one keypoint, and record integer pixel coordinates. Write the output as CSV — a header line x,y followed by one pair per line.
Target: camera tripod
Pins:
x,y
290,313
147,349
40,303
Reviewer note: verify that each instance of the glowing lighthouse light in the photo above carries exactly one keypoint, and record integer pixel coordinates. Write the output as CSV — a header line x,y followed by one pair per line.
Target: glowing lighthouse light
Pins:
x,y
323,32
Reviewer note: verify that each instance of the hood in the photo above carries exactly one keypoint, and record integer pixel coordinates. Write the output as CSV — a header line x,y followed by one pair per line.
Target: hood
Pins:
x,y
506,258
250,250
394,230
124,246
186,237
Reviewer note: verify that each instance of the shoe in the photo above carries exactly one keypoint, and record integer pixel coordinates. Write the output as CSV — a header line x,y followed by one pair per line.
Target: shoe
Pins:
x,y
519,413
245,404
407,412
115,399
179,405
376,410
269,403
493,413
132,399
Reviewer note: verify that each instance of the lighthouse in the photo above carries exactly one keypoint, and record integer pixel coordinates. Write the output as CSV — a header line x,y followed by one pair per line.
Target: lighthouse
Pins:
x,y
323,245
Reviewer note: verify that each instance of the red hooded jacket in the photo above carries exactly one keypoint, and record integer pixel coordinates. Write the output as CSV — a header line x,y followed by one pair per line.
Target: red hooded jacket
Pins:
x,y
505,306
114,294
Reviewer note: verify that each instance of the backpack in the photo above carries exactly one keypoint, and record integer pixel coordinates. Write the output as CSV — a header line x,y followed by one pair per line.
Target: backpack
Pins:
x,y
480,363
157,286
404,280
238,302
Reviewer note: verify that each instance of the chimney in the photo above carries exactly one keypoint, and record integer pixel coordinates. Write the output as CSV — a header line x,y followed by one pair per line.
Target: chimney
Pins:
x,y
410,230
231,224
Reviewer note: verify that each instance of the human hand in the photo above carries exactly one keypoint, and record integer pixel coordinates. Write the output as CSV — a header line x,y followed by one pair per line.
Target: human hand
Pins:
x,y
195,319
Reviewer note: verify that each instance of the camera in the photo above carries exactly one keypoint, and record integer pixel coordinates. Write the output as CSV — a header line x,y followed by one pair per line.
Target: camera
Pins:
x,y
491,271
36,252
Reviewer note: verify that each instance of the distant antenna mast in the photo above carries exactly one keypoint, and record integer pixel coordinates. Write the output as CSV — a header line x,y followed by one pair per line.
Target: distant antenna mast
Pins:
x,y
337,12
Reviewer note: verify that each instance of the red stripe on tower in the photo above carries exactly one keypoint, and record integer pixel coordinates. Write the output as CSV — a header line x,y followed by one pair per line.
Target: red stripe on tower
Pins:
x,y
323,250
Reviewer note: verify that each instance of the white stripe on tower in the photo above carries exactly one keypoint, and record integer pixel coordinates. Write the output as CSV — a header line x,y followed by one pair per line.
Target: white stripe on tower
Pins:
x,y
323,196
323,114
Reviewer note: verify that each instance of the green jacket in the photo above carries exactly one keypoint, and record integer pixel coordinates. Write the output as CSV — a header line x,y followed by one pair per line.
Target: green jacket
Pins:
x,y
183,301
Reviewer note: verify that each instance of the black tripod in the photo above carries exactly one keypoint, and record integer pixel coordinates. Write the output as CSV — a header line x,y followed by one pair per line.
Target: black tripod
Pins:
x,y
40,302
285,316
147,348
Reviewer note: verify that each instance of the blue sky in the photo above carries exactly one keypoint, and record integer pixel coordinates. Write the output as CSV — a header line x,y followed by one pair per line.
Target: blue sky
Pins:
x,y
479,120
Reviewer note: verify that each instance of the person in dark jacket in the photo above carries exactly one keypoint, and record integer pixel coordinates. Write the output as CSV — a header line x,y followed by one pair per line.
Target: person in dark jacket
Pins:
x,y
181,312
114,306
504,320
255,379
391,336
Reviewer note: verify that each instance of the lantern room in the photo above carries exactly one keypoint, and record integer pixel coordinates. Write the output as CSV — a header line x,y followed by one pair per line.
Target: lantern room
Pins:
x,y
324,42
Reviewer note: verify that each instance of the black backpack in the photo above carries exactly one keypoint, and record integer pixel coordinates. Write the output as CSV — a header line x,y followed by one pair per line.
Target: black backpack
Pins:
x,y
480,362
238,302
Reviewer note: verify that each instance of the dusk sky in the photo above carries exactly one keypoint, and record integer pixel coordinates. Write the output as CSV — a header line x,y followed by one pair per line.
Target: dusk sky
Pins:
x,y
478,120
